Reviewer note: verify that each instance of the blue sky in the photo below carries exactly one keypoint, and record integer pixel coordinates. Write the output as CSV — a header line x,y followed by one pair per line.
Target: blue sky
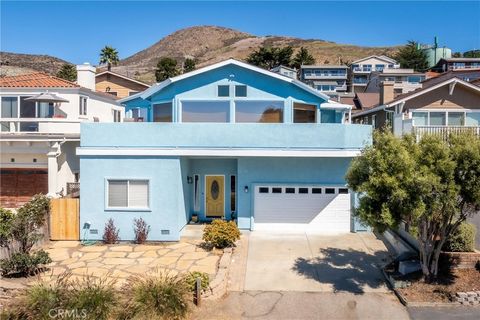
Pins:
x,y
77,30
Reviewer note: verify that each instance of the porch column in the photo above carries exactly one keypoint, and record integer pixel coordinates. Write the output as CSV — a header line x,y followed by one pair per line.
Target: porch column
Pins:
x,y
53,170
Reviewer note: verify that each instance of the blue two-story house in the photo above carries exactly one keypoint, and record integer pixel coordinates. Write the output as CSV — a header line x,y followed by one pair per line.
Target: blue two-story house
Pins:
x,y
229,141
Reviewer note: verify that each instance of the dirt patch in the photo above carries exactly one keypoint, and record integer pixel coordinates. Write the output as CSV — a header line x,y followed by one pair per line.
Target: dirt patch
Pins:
x,y
443,290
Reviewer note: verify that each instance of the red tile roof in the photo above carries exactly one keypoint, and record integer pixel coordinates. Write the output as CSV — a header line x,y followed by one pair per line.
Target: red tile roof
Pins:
x,y
36,80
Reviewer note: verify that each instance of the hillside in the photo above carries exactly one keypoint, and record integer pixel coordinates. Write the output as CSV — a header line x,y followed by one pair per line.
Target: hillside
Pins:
x,y
210,44
207,44
19,63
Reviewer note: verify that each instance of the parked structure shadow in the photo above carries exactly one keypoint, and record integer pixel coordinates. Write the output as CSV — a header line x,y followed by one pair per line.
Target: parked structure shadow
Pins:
x,y
347,270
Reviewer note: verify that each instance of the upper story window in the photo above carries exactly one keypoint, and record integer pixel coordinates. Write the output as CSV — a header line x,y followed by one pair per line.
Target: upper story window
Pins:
x,y
45,109
224,91
83,106
379,67
414,79
240,91
304,113
205,111
162,112
128,194
27,108
116,115
331,116
390,66
9,107
259,111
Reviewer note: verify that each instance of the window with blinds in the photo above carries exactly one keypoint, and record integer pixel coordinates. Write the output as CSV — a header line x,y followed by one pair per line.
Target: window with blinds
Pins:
x,y
128,194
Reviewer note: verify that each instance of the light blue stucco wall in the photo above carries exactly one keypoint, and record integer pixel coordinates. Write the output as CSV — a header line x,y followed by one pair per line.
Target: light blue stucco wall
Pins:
x,y
251,171
166,195
204,87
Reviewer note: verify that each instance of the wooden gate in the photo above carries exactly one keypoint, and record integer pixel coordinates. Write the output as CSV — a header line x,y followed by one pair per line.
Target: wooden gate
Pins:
x,y
65,219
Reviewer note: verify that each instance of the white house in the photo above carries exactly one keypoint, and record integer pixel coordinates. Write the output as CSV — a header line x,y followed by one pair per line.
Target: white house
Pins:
x,y
40,130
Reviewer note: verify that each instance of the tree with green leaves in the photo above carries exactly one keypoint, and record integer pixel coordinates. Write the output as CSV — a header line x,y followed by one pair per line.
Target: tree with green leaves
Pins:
x,y
189,65
457,55
432,185
302,57
271,57
472,54
411,57
109,56
166,68
68,72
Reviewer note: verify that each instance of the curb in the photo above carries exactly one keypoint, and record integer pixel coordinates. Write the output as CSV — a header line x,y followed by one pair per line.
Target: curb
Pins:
x,y
406,303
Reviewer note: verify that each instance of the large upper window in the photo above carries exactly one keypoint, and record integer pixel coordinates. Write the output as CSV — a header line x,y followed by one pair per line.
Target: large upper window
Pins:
x,y
331,116
420,118
473,119
162,112
259,111
437,118
9,107
205,111
128,194
27,108
304,113
456,118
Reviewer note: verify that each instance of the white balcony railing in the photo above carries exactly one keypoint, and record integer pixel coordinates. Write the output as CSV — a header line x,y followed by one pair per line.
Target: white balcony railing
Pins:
x,y
444,131
39,125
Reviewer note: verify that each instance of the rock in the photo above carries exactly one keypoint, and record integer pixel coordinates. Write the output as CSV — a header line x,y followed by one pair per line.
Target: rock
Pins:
x,y
121,248
114,254
115,261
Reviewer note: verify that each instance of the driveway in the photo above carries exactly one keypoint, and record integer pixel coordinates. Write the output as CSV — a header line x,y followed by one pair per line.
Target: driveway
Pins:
x,y
315,263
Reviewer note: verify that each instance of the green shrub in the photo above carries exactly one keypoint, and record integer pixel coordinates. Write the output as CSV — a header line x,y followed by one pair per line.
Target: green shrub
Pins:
x,y
191,279
462,240
158,296
96,297
24,264
6,224
28,220
221,234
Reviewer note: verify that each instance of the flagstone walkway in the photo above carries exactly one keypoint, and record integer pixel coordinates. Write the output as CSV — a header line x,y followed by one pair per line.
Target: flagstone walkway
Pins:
x,y
124,260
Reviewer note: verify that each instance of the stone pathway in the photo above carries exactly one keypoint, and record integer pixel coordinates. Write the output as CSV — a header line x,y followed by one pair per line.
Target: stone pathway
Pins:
x,y
124,260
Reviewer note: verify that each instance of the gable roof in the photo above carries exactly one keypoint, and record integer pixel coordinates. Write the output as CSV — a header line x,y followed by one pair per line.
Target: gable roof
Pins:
x,y
450,74
36,80
413,94
385,58
366,100
123,77
159,86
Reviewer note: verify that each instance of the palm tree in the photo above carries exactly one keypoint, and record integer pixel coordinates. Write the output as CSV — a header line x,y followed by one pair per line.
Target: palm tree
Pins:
x,y
109,55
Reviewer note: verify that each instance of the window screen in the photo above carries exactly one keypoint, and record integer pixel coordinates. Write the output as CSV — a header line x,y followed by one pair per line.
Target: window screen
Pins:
x,y
118,193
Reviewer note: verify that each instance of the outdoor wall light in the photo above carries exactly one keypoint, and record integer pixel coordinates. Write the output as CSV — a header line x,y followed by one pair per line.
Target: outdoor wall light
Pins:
x,y
189,180
245,189
86,225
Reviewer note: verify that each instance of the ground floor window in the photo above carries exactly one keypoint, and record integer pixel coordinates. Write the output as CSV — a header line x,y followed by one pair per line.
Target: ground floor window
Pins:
x,y
128,194
233,193
196,193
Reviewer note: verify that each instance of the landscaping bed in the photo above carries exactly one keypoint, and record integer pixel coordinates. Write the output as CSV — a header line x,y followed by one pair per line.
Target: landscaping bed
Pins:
x,y
442,291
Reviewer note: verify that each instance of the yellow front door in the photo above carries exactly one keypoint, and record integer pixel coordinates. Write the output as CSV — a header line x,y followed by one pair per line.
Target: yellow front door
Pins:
x,y
215,196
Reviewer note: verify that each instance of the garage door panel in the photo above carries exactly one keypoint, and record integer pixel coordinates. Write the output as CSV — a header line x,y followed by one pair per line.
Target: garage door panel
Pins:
x,y
307,211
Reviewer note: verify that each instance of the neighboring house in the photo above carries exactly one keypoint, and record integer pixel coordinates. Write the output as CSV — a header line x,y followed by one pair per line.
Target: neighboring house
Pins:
x,y
445,65
328,79
404,80
118,85
229,141
40,130
286,71
440,107
361,69
468,75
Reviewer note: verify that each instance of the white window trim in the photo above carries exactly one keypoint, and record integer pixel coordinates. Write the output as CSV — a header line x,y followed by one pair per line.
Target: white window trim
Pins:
x,y
464,111
145,209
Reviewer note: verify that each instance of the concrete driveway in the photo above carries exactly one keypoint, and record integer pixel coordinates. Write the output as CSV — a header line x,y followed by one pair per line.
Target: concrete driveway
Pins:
x,y
315,263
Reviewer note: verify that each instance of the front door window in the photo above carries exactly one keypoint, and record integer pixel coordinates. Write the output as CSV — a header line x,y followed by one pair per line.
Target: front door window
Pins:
x,y
215,196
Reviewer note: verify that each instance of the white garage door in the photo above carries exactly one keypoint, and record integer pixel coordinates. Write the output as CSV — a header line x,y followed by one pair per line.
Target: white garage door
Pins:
x,y
315,209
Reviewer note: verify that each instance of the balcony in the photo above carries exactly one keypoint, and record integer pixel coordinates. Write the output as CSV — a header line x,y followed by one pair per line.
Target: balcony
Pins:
x,y
362,69
182,138
324,76
444,131
39,126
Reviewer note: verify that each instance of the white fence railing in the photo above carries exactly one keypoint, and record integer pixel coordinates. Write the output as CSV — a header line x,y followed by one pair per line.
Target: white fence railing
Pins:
x,y
39,125
444,131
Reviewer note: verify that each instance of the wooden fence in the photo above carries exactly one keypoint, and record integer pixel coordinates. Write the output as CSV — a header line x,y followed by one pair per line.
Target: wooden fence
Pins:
x,y
65,219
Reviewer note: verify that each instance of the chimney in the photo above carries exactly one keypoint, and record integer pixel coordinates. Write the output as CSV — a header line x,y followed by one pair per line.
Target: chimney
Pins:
x,y
386,92
86,76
